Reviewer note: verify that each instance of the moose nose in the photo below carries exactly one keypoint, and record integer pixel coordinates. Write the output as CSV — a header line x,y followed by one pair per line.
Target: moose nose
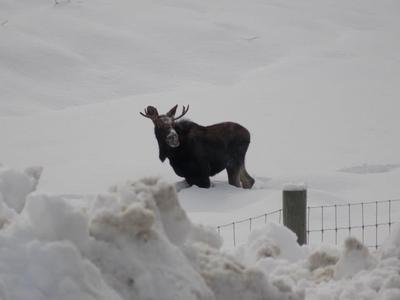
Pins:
x,y
172,139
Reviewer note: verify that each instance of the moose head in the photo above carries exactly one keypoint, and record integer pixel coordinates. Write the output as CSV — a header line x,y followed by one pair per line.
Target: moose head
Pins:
x,y
164,125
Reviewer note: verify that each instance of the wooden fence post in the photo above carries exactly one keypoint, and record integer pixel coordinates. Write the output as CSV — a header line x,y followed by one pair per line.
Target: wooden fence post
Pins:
x,y
294,208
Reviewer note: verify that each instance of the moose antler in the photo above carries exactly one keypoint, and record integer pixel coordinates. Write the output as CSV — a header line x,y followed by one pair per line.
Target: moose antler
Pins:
x,y
184,111
150,112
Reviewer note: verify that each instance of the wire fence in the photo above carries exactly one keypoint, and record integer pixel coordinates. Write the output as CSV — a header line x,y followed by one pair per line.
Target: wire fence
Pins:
x,y
253,222
370,222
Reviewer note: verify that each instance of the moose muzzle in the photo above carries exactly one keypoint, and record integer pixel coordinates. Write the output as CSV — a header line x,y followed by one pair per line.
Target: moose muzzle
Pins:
x,y
172,139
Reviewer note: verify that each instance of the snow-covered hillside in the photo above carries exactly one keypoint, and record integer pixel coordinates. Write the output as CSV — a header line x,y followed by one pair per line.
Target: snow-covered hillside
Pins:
x,y
316,82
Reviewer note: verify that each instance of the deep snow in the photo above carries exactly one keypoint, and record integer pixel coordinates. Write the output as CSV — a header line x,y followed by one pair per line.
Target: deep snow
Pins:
x,y
315,82
136,242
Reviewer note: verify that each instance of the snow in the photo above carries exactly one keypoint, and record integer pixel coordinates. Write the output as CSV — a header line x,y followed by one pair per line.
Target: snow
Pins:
x,y
391,247
293,187
271,241
326,273
16,186
354,259
316,84
136,242
39,255
96,251
368,169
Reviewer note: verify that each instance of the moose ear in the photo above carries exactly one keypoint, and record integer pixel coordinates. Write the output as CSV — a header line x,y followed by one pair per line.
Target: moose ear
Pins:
x,y
172,112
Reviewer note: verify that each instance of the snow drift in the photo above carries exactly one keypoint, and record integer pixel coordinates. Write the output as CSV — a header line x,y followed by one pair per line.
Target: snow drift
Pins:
x,y
136,242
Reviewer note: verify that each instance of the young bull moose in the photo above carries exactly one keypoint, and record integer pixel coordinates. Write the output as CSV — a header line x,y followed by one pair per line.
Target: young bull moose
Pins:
x,y
197,152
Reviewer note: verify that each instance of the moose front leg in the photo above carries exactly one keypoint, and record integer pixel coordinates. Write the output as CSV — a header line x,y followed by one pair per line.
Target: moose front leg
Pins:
x,y
199,174
202,182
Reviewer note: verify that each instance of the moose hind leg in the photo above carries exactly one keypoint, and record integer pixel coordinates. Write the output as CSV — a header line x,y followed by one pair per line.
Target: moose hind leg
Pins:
x,y
233,176
239,158
246,179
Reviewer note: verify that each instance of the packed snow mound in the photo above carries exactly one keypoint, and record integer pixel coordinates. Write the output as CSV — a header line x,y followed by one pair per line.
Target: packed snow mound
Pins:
x,y
117,246
325,272
136,242
355,258
228,278
391,247
55,270
272,241
15,186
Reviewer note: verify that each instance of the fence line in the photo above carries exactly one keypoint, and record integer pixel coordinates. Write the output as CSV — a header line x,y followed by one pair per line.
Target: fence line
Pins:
x,y
370,222
250,220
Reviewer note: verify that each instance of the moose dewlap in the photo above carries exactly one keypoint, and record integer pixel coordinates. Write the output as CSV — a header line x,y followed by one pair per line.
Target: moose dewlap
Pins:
x,y
197,152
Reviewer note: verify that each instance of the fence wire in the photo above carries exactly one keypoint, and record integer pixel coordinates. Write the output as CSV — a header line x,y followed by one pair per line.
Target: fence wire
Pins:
x,y
273,216
370,222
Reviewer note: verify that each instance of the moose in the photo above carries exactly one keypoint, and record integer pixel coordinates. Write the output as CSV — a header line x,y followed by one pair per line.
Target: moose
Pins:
x,y
197,152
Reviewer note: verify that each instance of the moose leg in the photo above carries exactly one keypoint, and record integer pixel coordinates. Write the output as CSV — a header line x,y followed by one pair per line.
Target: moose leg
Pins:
x,y
233,175
202,182
246,179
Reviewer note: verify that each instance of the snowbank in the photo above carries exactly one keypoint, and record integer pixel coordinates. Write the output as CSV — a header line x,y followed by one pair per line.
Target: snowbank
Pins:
x,y
15,186
136,242
391,248
325,272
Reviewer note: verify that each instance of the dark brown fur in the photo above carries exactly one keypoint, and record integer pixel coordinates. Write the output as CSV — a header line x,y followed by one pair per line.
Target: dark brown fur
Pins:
x,y
204,151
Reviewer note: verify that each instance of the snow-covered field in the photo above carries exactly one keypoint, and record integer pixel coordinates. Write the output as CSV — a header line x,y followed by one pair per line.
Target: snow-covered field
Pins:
x,y
316,82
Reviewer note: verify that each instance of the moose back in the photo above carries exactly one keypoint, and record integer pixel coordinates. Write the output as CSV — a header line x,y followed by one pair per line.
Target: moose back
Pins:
x,y
197,152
